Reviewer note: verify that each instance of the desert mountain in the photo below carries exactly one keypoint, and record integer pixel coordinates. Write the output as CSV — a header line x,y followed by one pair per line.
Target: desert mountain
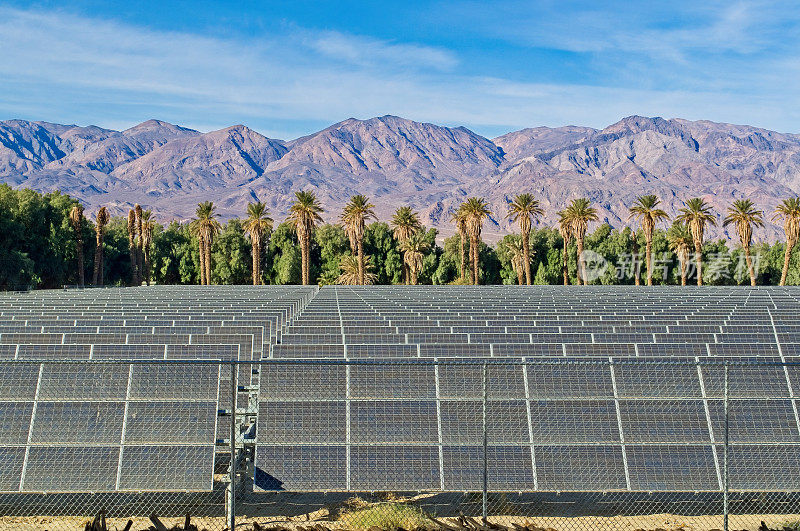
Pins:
x,y
397,161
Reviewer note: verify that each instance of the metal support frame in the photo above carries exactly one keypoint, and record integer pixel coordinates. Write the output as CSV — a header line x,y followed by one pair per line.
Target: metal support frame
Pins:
x,y
725,451
485,496
231,490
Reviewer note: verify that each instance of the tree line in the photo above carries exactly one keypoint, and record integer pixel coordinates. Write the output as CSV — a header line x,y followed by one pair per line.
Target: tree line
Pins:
x,y
48,241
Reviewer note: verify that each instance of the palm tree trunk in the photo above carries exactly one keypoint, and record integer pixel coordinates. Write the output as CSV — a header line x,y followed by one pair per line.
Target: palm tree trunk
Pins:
x,y
787,256
637,273
526,256
147,263
581,265
749,261
98,256
406,277
208,260
132,252
304,252
101,277
202,249
698,258
648,257
462,243
139,249
361,279
520,275
256,258
307,272
413,274
683,272
564,268
473,248
79,246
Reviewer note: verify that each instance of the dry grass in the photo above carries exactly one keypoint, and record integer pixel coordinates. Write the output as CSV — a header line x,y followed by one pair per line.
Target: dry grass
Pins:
x,y
386,515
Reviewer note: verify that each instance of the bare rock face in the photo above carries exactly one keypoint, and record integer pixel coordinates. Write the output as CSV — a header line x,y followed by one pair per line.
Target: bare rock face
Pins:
x,y
203,162
397,161
122,147
540,140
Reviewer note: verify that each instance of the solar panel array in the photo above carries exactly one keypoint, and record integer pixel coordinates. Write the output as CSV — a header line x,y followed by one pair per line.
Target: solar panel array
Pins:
x,y
94,424
585,389
603,389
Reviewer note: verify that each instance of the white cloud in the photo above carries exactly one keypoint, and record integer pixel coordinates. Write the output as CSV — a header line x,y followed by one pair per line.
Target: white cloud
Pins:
x,y
367,52
106,72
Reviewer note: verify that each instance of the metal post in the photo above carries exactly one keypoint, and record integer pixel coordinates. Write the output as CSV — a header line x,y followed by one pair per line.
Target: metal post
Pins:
x,y
485,447
725,451
232,473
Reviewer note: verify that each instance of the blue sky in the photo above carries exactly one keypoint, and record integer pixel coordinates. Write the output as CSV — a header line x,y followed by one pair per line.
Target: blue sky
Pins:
x,y
288,68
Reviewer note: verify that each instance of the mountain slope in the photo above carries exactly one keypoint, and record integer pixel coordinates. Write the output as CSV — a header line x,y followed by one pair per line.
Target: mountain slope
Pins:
x,y
203,162
397,161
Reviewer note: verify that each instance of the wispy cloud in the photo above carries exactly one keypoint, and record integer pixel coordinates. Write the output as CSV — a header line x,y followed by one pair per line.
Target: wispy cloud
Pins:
x,y
374,53
61,66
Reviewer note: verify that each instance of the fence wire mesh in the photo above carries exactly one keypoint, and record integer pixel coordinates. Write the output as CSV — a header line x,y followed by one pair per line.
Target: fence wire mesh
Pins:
x,y
490,443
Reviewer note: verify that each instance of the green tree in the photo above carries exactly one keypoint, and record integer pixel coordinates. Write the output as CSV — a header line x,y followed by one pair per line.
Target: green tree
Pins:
x,y
696,215
414,249
231,255
523,210
101,220
387,258
354,217
475,212
646,210
789,212
76,220
333,245
284,258
304,214
744,215
257,223
578,215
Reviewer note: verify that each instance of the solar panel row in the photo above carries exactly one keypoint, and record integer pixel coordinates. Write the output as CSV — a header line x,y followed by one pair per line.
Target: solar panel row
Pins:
x,y
98,425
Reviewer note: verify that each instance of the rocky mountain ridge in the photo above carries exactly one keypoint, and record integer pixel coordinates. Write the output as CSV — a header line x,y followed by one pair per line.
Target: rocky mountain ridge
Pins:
x,y
396,161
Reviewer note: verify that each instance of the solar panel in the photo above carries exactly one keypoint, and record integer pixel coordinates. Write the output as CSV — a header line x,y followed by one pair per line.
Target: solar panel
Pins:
x,y
570,403
78,424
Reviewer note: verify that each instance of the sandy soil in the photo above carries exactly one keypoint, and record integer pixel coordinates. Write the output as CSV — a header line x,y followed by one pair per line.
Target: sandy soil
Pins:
x,y
663,522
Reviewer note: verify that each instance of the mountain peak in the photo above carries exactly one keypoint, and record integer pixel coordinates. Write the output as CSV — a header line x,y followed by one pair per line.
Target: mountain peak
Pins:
x,y
154,125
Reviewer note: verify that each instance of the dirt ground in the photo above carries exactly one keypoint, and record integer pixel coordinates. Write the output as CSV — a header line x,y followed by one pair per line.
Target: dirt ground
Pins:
x,y
662,522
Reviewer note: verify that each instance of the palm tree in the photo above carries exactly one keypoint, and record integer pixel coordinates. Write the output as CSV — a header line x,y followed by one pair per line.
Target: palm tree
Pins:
x,y
140,244
646,210
147,241
696,215
580,212
637,268
745,216
257,222
414,248
680,242
102,219
132,246
476,210
355,216
789,211
405,222
523,209
565,230
460,219
76,220
304,214
205,227
351,271
515,249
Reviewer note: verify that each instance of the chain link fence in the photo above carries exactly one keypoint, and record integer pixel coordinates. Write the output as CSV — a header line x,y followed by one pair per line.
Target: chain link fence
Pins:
x,y
533,444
